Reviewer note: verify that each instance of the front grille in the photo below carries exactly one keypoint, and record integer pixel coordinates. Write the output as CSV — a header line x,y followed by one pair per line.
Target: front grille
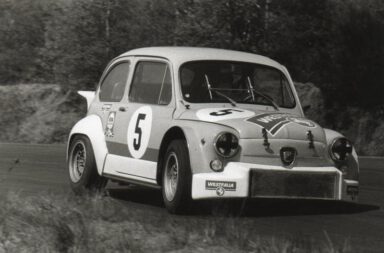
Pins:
x,y
293,184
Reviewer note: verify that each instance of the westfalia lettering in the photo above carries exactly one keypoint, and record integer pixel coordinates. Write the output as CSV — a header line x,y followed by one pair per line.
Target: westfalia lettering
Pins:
x,y
273,122
213,185
271,118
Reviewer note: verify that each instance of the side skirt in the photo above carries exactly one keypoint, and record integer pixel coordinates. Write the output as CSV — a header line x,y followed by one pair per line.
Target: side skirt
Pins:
x,y
133,181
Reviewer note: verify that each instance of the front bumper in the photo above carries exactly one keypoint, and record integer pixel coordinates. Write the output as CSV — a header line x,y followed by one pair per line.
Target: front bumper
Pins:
x,y
246,180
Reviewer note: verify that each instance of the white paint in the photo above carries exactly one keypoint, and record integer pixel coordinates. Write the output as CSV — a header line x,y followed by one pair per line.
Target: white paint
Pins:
x,y
127,167
92,127
88,95
138,142
235,113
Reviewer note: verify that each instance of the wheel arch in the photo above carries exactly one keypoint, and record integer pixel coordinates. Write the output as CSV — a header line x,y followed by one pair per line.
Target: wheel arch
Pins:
x,y
174,133
91,127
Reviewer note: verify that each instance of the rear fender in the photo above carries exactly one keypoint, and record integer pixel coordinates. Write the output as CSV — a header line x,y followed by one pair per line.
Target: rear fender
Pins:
x,y
92,127
88,95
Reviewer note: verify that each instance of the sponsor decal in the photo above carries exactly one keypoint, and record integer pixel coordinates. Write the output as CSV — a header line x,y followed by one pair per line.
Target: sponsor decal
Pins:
x,y
139,131
274,122
110,123
217,114
220,186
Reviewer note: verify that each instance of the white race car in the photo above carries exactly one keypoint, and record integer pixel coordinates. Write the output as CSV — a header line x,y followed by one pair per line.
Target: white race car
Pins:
x,y
205,123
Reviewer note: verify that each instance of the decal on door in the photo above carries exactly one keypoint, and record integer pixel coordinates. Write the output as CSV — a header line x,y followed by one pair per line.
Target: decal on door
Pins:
x,y
216,114
110,123
273,122
139,131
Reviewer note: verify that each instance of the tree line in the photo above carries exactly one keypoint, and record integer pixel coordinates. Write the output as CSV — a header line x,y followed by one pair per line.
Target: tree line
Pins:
x,y
336,44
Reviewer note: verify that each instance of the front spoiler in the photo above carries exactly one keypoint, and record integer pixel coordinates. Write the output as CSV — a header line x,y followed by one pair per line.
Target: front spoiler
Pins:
x,y
235,182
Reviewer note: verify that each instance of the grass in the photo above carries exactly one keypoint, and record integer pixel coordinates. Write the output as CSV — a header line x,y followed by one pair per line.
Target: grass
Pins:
x,y
68,223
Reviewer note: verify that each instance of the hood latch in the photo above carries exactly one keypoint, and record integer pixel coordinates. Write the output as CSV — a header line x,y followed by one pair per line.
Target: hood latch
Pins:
x,y
265,136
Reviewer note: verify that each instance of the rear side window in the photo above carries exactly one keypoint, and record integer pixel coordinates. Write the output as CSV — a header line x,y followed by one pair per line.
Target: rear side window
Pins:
x,y
113,86
151,83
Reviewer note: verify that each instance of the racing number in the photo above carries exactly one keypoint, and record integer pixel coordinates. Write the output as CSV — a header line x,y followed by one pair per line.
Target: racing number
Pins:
x,y
137,142
139,131
224,112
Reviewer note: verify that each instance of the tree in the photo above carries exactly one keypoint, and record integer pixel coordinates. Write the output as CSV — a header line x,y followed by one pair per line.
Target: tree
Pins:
x,y
22,33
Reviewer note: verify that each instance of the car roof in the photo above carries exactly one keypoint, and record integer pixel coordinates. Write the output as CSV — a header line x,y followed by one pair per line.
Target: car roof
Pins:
x,y
184,54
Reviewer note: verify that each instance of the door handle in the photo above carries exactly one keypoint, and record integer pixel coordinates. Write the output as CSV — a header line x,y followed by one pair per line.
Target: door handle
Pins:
x,y
106,107
122,109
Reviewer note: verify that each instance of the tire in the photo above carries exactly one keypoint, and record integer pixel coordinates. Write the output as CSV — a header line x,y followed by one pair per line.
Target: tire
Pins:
x,y
83,175
177,178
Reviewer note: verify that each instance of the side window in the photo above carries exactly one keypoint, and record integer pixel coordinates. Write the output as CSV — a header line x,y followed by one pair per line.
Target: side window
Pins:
x,y
166,89
288,99
113,85
151,83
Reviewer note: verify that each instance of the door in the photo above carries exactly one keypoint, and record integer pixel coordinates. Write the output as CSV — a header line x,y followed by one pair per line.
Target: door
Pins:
x,y
111,93
142,120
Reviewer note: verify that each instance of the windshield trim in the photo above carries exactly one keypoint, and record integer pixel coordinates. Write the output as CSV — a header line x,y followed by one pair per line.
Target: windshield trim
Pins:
x,y
292,94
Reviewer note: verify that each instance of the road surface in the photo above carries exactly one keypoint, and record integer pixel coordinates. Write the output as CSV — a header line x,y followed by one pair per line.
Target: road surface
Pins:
x,y
31,169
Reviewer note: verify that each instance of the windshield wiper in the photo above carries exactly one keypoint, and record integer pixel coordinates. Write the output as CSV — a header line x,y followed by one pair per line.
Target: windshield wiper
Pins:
x,y
253,90
210,89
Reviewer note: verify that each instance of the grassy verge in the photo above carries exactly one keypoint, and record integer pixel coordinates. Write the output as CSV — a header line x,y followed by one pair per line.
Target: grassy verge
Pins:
x,y
66,223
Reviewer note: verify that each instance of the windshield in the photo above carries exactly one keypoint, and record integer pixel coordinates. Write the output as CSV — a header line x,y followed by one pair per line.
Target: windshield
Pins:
x,y
241,82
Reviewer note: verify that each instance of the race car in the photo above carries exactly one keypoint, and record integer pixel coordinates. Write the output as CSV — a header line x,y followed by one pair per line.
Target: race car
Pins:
x,y
204,123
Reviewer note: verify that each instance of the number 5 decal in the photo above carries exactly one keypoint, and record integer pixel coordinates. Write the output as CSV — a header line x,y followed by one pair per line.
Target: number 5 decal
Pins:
x,y
139,131
217,114
137,142
224,112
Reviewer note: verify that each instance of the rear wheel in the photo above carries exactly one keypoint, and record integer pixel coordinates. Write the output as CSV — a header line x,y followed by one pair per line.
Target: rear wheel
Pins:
x,y
83,175
177,178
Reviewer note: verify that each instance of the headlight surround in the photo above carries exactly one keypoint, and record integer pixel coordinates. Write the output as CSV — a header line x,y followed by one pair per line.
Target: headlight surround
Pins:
x,y
340,149
226,144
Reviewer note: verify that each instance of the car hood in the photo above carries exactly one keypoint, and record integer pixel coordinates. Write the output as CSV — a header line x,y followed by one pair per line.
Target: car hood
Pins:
x,y
250,124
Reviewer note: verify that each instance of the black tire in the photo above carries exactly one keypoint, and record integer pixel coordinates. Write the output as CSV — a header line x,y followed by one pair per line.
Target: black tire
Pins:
x,y
83,175
181,200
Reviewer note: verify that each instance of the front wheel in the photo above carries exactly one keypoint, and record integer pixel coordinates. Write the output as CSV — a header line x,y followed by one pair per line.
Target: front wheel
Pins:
x,y
177,178
83,175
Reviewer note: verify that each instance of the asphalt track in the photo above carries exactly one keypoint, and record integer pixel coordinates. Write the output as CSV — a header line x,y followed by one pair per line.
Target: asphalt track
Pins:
x,y
31,169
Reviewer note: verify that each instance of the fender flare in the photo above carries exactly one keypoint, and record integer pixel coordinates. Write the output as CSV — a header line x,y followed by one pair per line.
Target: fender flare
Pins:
x,y
92,127
200,143
193,144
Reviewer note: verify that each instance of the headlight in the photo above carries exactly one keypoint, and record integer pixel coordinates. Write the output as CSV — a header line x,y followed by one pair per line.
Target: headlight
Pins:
x,y
226,144
340,149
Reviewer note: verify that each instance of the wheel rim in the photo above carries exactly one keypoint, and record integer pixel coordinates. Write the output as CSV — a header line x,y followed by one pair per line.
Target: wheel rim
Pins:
x,y
77,161
171,176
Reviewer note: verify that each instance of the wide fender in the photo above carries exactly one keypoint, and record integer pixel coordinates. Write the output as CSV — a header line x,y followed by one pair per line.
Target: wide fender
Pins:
x,y
88,95
92,127
200,137
197,159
